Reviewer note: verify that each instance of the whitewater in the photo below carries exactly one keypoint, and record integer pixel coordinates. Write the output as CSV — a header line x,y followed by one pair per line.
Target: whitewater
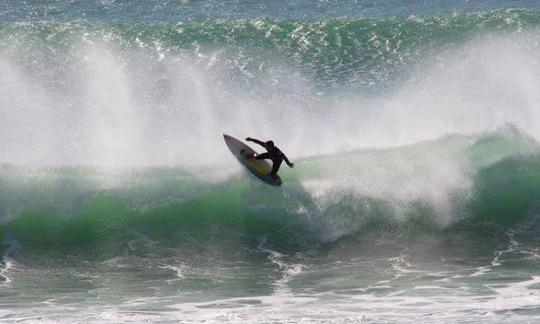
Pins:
x,y
414,128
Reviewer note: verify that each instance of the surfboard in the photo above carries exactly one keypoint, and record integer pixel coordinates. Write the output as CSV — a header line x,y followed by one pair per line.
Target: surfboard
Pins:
x,y
259,168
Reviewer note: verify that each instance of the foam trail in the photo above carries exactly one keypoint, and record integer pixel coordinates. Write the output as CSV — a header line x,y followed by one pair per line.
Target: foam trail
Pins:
x,y
288,271
8,261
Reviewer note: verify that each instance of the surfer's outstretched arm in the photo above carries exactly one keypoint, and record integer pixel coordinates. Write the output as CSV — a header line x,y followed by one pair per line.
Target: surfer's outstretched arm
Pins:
x,y
289,163
261,143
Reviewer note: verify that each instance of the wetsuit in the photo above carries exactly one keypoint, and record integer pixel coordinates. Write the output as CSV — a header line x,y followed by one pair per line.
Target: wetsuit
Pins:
x,y
273,154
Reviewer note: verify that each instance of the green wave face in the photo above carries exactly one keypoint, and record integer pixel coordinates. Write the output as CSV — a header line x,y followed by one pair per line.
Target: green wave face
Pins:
x,y
74,209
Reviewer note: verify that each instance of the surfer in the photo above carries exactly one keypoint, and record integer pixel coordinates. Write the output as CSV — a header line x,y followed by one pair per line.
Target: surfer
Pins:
x,y
273,153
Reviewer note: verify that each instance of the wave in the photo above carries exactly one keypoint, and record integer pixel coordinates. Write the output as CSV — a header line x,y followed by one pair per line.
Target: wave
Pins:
x,y
112,131
455,183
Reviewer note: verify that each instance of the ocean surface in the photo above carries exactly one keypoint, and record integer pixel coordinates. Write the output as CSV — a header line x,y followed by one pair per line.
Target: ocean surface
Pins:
x,y
414,127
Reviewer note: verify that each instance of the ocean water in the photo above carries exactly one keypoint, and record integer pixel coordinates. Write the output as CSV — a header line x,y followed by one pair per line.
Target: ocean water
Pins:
x,y
414,127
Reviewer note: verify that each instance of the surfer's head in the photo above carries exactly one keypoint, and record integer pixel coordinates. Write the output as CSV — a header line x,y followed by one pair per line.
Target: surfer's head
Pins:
x,y
269,144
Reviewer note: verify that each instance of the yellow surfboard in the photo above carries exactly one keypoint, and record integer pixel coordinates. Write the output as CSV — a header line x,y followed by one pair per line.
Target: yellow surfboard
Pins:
x,y
245,155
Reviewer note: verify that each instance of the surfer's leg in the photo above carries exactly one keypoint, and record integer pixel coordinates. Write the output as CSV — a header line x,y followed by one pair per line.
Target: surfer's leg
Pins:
x,y
263,156
276,164
247,156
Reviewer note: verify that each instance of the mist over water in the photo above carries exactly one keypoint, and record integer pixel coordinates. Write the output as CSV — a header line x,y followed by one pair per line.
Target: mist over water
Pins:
x,y
81,94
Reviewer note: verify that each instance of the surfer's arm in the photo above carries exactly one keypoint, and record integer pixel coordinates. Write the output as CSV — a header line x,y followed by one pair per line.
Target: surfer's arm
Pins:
x,y
289,163
261,143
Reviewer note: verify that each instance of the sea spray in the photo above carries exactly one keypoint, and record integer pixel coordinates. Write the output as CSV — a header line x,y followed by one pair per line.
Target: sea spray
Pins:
x,y
162,94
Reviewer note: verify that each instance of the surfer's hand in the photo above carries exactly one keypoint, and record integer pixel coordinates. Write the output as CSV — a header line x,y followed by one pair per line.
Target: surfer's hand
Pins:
x,y
248,139
291,165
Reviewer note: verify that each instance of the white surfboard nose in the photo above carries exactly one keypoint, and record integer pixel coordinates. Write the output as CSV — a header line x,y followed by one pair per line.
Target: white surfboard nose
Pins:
x,y
244,154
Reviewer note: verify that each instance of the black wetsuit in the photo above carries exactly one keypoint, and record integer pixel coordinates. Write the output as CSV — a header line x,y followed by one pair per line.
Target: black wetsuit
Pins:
x,y
273,154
